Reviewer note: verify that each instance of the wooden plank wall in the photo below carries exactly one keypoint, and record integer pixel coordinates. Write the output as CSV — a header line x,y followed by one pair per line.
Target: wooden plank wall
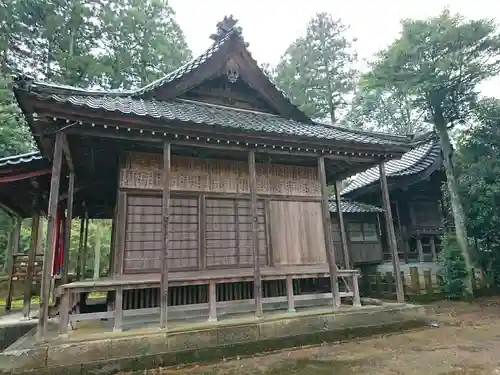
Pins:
x,y
296,233
210,228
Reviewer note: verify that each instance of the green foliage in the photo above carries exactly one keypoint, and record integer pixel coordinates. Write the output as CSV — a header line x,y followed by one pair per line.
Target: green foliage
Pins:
x,y
478,166
386,110
453,270
316,71
142,41
438,63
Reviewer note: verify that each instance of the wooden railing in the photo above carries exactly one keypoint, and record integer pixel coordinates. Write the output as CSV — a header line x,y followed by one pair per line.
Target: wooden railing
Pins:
x,y
148,285
19,272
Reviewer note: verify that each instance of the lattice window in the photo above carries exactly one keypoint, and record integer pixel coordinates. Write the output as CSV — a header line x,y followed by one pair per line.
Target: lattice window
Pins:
x,y
144,240
229,233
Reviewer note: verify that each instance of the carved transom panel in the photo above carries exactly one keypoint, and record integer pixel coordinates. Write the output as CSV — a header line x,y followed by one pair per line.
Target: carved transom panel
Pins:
x,y
144,171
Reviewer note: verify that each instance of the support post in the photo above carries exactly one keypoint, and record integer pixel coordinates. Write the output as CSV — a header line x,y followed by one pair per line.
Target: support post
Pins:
x,y
118,309
289,293
80,250
257,282
343,235
35,226
420,250
85,246
356,298
165,229
67,232
13,249
433,249
327,232
97,253
391,235
212,301
48,258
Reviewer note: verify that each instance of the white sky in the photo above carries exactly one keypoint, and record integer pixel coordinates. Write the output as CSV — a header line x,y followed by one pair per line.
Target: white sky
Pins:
x,y
271,25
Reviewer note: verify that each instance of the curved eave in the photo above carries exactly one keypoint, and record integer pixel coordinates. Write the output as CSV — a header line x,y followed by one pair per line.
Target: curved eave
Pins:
x,y
397,181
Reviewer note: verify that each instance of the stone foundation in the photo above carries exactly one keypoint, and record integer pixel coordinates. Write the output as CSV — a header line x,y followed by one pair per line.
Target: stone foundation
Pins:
x,y
207,343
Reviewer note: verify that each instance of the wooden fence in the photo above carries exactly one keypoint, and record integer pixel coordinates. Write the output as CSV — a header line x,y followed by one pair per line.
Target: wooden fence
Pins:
x,y
418,285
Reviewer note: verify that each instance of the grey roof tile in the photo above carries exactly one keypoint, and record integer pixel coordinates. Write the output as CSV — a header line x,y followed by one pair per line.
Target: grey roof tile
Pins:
x,y
349,206
414,161
208,114
20,159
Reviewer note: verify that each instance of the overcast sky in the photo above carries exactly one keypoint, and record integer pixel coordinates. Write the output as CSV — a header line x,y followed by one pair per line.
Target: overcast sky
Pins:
x,y
271,25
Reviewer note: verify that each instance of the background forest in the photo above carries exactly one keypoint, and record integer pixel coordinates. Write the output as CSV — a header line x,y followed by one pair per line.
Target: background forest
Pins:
x,y
426,79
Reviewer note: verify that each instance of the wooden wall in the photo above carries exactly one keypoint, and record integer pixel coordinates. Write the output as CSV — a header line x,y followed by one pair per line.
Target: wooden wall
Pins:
x,y
210,218
297,233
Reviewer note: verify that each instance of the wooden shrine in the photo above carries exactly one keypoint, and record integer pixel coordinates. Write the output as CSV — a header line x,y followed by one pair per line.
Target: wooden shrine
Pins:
x,y
216,184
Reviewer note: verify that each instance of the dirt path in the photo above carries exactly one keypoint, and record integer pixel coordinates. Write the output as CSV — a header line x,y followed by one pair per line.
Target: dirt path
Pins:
x,y
467,341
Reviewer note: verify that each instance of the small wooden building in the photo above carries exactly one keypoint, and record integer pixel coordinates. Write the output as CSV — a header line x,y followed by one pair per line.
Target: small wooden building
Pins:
x,y
216,184
416,200
363,233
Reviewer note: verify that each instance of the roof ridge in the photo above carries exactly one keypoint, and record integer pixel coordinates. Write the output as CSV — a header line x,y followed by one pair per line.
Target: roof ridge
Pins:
x,y
365,132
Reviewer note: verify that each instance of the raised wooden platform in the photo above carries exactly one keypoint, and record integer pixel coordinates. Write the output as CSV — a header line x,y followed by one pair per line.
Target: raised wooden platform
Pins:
x,y
94,349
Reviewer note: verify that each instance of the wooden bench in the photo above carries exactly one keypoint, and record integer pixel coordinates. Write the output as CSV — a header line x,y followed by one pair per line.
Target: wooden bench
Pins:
x,y
120,283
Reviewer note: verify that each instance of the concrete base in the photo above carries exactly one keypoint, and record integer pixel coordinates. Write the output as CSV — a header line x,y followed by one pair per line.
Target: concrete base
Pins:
x,y
109,353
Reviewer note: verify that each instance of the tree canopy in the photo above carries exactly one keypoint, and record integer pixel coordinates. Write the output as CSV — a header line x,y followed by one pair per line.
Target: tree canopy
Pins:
x,y
317,71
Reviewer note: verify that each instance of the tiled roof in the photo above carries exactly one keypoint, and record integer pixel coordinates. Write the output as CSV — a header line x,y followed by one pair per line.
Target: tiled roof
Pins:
x,y
22,158
414,161
209,114
352,206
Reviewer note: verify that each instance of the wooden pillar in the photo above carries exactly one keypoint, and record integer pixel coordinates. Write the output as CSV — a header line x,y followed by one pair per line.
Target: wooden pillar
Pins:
x,y
356,298
327,232
35,227
212,301
15,237
48,258
67,232
420,250
165,230
80,250
85,246
289,293
118,309
391,235
252,183
97,252
433,249
343,234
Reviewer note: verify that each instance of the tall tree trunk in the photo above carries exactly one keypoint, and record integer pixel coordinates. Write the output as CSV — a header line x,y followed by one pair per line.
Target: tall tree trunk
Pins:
x,y
456,204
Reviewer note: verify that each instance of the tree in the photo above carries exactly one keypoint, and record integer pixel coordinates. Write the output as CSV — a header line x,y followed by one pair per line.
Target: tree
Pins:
x,y
385,110
478,168
317,71
440,62
142,42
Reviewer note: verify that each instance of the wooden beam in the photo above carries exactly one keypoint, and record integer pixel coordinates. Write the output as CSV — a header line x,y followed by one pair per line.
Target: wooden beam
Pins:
x,y
327,232
343,234
252,183
48,259
67,232
24,176
12,212
166,234
67,153
35,226
391,235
